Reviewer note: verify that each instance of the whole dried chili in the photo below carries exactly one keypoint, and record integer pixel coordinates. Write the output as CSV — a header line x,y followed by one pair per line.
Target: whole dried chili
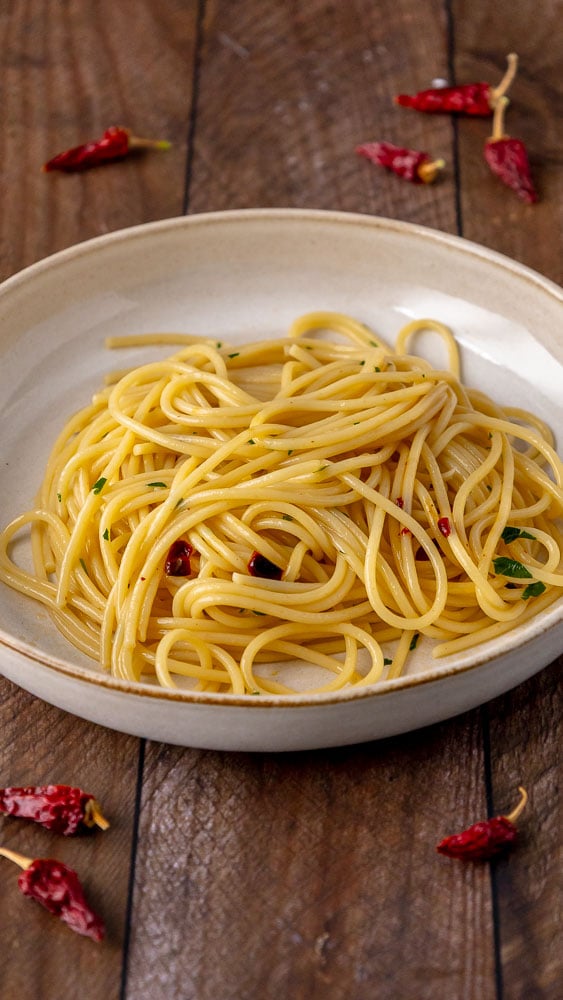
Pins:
x,y
479,99
508,159
485,839
115,144
60,808
409,164
57,887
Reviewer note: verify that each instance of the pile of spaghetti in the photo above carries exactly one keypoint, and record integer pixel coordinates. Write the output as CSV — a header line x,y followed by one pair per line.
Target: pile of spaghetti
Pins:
x,y
213,517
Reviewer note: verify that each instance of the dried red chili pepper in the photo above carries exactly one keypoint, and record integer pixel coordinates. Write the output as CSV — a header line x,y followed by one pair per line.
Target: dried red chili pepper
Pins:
x,y
508,159
178,559
60,808
114,144
485,839
478,99
259,565
57,887
409,164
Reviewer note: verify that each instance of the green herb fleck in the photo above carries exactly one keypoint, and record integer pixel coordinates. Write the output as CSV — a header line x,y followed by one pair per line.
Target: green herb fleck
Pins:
x,y
290,452
362,363
374,343
489,487
251,441
510,534
160,486
99,485
387,662
235,354
59,498
179,503
533,590
261,614
414,640
105,535
377,368
511,567
254,692
84,566
219,345
287,517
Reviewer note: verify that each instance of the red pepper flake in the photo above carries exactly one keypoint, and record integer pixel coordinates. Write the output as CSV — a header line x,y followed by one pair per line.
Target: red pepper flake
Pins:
x,y
178,559
410,164
400,502
444,526
406,531
259,565
486,839
58,889
115,144
479,99
60,808
508,159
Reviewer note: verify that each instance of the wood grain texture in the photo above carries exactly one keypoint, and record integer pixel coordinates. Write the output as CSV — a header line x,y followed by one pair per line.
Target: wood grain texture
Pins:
x,y
492,214
40,745
286,96
310,875
67,72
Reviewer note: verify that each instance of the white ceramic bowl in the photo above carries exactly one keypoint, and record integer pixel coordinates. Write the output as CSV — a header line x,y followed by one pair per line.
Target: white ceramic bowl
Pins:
x,y
238,276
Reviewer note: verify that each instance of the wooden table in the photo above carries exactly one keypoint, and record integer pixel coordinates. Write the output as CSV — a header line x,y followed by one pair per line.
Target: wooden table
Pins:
x,y
312,875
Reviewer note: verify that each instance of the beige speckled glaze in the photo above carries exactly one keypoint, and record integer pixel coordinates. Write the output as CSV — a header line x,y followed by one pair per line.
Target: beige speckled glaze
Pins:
x,y
238,276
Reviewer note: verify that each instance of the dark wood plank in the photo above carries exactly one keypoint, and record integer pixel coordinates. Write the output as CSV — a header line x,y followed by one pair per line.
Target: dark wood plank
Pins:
x,y
525,725
492,214
67,72
526,739
41,745
287,92
310,875
313,875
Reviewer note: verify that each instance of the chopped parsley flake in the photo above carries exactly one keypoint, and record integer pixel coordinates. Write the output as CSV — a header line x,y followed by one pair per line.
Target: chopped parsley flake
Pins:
x,y
84,566
387,662
510,534
99,485
287,517
160,486
105,535
235,354
533,590
414,640
511,567
59,498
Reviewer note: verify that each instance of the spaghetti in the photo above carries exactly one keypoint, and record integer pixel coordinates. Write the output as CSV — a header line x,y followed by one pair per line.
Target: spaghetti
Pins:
x,y
391,501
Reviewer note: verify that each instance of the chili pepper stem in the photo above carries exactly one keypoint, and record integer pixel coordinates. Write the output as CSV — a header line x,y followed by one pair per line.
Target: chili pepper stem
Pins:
x,y
18,859
93,815
135,142
428,171
519,808
505,83
498,120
